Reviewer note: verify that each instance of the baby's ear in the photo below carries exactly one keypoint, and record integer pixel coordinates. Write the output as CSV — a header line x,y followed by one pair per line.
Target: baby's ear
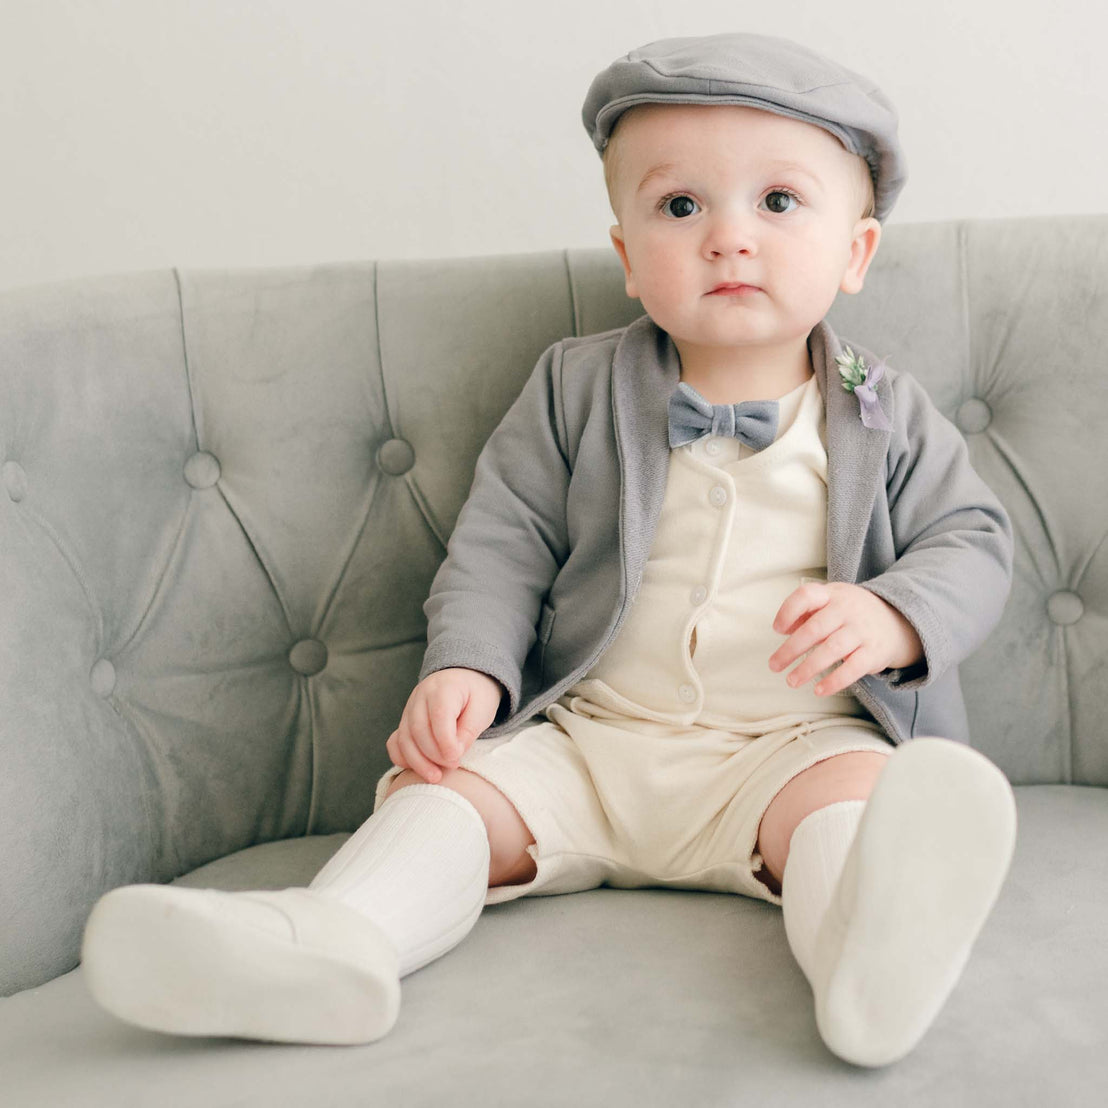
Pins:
x,y
867,235
616,233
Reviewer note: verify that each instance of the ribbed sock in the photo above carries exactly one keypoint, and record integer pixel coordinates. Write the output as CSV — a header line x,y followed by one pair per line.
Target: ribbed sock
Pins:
x,y
418,868
817,853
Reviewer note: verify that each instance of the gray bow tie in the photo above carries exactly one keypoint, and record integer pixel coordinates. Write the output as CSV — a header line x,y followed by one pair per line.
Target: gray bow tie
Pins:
x,y
691,417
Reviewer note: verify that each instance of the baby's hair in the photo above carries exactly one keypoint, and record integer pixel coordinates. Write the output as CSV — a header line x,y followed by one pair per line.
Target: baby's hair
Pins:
x,y
865,180
611,160
610,157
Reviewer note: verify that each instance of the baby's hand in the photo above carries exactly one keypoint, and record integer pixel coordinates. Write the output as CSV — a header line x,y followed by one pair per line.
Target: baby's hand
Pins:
x,y
444,715
846,623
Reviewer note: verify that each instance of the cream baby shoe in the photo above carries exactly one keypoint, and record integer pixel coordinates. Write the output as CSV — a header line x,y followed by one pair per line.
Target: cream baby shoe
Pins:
x,y
886,941
315,965
285,966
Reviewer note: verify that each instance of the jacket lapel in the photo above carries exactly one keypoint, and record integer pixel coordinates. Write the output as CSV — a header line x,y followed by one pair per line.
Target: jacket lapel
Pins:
x,y
855,455
646,370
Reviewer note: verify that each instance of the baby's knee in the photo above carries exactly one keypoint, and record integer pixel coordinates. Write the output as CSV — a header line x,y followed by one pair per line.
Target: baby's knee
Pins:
x,y
508,835
404,777
851,775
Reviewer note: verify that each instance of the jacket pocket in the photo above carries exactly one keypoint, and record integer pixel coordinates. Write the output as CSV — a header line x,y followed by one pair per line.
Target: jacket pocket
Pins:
x,y
546,627
546,624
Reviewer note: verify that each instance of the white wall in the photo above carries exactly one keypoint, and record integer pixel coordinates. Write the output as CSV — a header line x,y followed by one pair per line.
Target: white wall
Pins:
x,y
139,134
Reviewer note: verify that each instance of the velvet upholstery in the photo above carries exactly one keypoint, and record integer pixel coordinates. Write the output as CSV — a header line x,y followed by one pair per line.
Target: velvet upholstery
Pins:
x,y
223,495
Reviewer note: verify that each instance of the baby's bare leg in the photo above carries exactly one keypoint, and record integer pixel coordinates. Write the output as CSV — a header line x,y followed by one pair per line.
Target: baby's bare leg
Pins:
x,y
849,776
509,836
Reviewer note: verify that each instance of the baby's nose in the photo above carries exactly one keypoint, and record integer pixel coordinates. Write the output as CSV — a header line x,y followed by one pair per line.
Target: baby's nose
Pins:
x,y
730,234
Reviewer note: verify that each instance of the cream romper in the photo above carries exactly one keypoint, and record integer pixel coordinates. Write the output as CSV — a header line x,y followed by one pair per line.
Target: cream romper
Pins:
x,y
656,768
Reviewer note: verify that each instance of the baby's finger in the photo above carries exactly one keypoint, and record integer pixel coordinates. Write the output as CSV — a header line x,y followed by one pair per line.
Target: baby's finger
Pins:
x,y
804,599
833,649
418,762
810,633
854,666
476,718
393,748
420,730
444,731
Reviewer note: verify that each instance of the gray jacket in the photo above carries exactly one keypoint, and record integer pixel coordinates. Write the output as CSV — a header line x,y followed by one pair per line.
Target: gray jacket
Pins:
x,y
549,549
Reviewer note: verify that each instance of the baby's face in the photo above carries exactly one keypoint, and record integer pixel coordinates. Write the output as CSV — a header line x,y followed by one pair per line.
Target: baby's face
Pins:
x,y
710,195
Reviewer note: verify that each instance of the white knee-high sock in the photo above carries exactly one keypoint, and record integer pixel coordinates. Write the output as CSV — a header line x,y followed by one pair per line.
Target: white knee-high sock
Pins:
x,y
418,868
817,853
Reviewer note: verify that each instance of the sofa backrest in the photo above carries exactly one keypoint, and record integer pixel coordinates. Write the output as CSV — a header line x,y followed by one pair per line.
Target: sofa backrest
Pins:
x,y
225,494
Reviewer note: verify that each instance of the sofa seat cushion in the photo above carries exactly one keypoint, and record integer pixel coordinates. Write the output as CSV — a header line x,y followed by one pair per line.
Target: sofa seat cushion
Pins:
x,y
637,997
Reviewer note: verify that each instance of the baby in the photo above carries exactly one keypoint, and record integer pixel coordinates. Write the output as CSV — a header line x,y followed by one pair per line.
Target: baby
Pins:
x,y
670,516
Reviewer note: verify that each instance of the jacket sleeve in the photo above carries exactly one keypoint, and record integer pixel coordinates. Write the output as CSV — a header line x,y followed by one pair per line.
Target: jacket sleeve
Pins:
x,y
508,543
953,540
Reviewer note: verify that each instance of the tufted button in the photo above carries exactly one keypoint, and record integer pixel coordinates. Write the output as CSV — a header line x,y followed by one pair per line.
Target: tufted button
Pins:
x,y
308,657
687,693
711,447
1064,607
698,595
102,677
718,496
202,470
974,416
395,457
15,480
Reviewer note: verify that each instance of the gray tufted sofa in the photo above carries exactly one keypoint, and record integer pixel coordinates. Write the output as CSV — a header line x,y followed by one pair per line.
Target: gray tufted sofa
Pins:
x,y
224,495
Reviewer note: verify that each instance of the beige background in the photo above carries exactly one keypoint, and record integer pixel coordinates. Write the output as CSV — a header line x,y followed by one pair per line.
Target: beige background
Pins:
x,y
138,134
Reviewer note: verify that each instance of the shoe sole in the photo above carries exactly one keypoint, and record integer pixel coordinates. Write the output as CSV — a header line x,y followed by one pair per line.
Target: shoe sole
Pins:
x,y
169,960
932,851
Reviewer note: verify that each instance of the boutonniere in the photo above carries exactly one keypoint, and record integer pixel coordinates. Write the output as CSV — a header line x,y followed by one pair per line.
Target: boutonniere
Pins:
x,y
861,380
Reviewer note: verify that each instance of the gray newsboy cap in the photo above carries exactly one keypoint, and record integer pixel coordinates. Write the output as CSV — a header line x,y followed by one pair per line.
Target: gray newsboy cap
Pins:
x,y
774,74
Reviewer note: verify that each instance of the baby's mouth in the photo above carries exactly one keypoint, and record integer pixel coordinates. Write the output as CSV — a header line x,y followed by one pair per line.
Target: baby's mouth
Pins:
x,y
733,289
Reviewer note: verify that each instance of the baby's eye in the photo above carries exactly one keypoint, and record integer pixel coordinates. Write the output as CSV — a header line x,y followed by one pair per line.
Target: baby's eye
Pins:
x,y
679,206
777,200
